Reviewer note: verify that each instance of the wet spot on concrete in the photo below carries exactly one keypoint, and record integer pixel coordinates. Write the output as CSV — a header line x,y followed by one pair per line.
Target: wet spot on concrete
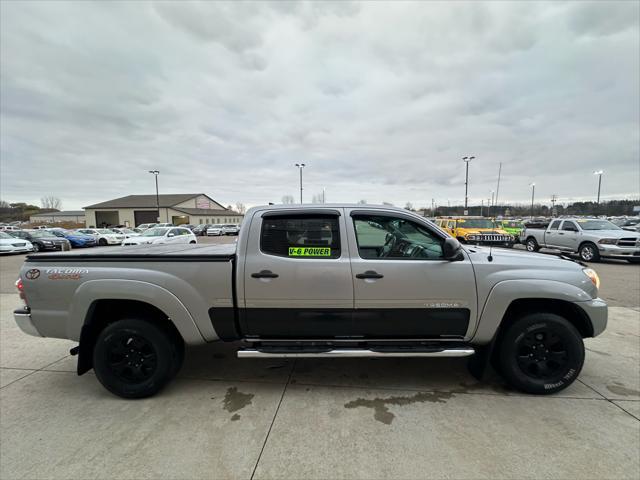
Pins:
x,y
380,405
219,356
280,365
363,376
235,400
620,389
598,352
235,417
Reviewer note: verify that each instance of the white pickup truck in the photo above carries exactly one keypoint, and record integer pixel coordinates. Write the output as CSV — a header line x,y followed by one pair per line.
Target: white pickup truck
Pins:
x,y
316,281
590,238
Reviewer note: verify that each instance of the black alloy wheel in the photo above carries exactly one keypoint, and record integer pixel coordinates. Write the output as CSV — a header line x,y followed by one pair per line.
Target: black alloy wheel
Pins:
x,y
541,353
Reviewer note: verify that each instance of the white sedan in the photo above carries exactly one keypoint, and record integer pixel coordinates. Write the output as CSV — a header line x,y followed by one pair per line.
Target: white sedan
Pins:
x,y
104,236
9,244
127,232
159,235
216,230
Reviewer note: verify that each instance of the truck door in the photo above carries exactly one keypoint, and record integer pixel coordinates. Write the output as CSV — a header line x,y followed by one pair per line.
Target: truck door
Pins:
x,y
403,287
297,276
551,236
568,236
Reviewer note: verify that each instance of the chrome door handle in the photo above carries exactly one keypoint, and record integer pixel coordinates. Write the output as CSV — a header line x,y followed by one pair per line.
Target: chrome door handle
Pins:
x,y
369,274
264,274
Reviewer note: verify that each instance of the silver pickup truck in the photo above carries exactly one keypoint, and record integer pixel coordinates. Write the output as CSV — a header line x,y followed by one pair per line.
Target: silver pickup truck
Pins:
x,y
590,238
316,281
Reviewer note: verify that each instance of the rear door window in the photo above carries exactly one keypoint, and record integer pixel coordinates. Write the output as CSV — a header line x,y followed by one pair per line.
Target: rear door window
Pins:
x,y
301,237
555,225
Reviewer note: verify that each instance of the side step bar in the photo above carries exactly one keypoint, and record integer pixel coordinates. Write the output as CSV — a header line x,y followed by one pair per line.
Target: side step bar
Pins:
x,y
356,353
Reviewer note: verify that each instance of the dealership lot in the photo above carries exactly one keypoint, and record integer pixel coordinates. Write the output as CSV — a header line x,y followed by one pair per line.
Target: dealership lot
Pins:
x,y
347,418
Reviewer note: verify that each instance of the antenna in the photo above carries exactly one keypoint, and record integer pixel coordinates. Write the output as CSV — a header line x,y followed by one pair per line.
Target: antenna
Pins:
x,y
490,257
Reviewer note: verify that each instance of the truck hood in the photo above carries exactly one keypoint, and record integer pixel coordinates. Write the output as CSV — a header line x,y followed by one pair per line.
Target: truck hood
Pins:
x,y
507,264
611,233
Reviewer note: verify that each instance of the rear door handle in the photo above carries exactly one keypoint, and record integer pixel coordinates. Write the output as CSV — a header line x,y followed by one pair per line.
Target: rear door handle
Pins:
x,y
264,274
369,274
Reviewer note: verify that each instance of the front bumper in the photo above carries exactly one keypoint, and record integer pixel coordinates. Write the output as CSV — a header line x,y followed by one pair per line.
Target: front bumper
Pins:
x,y
597,311
11,249
614,251
22,316
114,241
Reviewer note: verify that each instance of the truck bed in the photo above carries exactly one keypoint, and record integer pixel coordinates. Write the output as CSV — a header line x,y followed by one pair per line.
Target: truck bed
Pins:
x,y
141,253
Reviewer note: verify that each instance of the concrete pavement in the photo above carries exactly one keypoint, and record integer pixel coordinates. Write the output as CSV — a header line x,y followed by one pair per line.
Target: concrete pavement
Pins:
x,y
352,418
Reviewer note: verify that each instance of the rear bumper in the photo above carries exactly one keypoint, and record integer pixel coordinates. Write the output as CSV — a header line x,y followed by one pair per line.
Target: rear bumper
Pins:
x,y
597,311
22,316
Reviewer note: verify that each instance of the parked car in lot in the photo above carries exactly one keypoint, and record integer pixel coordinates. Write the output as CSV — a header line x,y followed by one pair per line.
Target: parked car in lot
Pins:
x,y
43,240
9,244
215,230
590,238
9,228
201,230
127,232
230,229
75,238
104,236
512,227
158,235
165,225
145,226
476,230
630,223
329,281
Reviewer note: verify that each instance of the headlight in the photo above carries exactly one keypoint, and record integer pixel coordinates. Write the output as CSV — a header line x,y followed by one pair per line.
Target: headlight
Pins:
x,y
47,242
608,241
593,276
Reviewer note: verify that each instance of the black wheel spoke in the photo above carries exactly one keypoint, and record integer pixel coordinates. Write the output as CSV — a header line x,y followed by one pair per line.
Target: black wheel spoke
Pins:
x,y
541,353
132,358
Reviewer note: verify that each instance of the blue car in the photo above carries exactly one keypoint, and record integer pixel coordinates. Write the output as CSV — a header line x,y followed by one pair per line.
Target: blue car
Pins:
x,y
76,239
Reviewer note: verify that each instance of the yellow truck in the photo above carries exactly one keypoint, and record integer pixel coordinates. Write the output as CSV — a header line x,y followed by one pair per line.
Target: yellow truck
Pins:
x,y
476,230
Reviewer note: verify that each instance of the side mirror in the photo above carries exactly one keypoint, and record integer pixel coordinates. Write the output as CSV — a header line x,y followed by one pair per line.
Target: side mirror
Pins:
x,y
451,249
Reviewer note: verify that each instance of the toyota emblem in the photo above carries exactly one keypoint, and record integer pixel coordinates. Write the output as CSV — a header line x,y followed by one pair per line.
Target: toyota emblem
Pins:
x,y
32,274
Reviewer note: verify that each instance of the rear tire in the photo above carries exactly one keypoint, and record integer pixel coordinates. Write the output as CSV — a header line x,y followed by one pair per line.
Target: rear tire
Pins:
x,y
541,353
121,351
589,252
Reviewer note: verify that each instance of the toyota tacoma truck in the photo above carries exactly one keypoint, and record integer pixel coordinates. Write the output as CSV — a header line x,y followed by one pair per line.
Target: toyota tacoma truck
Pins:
x,y
316,281
591,238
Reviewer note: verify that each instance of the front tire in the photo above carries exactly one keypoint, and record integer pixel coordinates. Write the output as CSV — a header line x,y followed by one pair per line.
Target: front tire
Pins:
x,y
541,353
102,242
532,245
589,252
134,358
36,248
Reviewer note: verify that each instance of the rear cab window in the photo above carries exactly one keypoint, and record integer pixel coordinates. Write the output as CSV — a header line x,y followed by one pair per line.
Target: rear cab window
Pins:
x,y
298,236
555,225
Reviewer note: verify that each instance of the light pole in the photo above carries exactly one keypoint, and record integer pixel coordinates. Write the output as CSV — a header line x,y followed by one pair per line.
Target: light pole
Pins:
x,y
155,173
599,173
466,182
300,167
533,192
490,204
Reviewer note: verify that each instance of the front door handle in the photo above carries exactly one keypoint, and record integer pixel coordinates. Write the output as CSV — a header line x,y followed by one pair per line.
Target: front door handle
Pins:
x,y
264,274
369,274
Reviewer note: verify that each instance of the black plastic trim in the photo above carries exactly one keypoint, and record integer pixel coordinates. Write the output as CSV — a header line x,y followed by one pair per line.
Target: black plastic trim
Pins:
x,y
330,212
223,320
128,258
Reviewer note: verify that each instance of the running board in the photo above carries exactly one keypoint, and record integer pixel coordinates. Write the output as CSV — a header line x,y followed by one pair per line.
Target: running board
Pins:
x,y
355,353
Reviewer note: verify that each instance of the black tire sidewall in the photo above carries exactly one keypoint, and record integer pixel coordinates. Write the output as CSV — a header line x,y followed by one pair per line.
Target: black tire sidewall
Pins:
x,y
533,243
596,254
165,354
102,242
508,351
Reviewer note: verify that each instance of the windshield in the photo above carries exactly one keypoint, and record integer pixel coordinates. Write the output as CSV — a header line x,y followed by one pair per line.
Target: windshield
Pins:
x,y
40,234
155,232
125,230
475,223
6,235
105,231
597,225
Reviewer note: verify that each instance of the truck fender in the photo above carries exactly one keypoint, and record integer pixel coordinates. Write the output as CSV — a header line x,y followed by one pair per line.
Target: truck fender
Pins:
x,y
504,293
118,289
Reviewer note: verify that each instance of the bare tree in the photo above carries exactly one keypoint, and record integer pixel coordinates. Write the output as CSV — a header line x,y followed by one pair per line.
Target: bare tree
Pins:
x,y
240,208
51,202
409,206
362,202
288,199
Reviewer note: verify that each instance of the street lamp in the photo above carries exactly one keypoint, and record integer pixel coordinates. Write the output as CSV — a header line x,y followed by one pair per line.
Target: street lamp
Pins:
x,y
599,173
300,167
466,182
155,173
490,204
533,192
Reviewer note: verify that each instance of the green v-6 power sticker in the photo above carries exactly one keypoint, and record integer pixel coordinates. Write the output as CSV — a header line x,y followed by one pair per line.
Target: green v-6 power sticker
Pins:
x,y
309,252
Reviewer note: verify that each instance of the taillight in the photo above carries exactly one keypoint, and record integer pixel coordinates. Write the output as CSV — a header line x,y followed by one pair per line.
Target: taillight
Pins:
x,y
20,287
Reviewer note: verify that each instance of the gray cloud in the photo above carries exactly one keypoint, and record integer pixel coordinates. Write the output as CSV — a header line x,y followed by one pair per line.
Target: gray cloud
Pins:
x,y
381,100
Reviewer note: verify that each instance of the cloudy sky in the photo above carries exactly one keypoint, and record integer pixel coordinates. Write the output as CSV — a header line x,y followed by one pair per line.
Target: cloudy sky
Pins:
x,y
380,100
